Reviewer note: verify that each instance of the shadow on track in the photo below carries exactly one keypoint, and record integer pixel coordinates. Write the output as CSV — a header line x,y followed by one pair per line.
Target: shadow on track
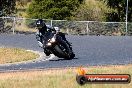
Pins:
x,y
61,59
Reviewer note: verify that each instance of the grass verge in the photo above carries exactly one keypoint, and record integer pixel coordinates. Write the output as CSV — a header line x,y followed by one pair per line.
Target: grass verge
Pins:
x,y
11,55
61,78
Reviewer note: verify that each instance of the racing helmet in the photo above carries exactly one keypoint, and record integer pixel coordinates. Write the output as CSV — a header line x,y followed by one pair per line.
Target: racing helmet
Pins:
x,y
40,24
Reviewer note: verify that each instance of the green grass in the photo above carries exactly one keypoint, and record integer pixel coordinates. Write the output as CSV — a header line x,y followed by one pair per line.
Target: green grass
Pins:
x,y
60,78
11,55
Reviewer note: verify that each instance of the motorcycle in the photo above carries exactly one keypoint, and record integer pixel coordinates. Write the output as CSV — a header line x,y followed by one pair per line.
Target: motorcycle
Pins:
x,y
57,46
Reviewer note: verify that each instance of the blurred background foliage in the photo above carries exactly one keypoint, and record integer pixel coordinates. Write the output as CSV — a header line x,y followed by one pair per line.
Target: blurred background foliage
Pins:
x,y
88,10
71,10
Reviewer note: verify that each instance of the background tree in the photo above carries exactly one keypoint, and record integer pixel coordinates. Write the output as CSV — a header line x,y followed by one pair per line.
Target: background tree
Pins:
x,y
53,9
92,10
7,8
120,10
22,2
21,7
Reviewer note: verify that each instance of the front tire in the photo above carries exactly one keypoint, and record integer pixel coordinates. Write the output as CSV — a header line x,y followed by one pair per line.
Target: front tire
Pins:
x,y
47,53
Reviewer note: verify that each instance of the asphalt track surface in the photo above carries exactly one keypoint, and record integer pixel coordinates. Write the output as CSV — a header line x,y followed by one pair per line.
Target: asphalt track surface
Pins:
x,y
89,50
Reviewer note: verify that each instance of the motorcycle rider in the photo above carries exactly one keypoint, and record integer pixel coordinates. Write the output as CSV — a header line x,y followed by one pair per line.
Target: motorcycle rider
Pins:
x,y
42,30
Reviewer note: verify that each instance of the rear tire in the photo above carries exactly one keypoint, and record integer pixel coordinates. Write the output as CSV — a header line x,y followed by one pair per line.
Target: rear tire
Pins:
x,y
59,52
72,56
62,54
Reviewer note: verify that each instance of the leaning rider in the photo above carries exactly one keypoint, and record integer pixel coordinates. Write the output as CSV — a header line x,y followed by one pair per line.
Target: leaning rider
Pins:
x,y
42,30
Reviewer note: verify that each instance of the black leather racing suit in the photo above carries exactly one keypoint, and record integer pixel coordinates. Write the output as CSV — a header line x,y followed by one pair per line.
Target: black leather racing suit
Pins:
x,y
41,32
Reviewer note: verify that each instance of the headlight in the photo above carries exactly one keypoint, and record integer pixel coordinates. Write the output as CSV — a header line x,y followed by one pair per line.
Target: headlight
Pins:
x,y
49,44
52,40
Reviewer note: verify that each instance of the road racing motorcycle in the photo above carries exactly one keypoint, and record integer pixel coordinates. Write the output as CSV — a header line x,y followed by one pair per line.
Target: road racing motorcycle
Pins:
x,y
56,45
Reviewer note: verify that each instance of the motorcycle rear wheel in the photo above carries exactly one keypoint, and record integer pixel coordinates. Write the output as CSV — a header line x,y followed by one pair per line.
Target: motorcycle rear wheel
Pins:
x,y
63,50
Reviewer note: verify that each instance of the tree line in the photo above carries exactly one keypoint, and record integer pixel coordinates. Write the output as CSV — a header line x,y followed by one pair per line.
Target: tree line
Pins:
x,y
94,10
